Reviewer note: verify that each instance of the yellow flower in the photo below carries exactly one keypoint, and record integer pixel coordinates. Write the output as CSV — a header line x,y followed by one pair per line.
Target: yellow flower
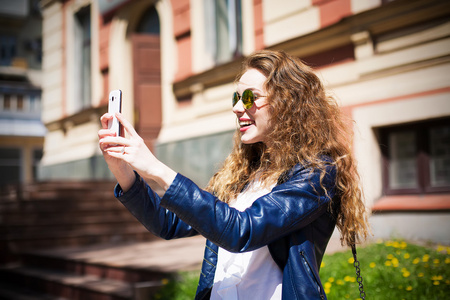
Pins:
x,y
164,281
351,260
425,258
436,282
406,256
327,291
388,243
437,277
347,296
331,279
409,288
390,256
404,270
379,241
420,275
339,282
416,261
403,245
436,261
347,278
395,262
372,265
447,260
406,274
388,263
440,248
322,265
447,282
327,285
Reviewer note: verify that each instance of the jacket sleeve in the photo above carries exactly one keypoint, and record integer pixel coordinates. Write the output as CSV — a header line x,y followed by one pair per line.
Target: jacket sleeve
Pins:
x,y
289,207
144,204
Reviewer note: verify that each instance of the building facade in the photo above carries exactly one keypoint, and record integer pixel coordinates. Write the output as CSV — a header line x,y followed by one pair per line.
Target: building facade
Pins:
x,y
21,130
387,63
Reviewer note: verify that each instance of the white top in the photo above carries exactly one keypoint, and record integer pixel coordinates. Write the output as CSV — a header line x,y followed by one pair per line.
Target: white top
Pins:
x,y
248,275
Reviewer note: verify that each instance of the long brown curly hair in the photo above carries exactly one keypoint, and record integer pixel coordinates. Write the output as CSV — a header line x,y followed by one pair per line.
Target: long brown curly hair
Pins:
x,y
306,125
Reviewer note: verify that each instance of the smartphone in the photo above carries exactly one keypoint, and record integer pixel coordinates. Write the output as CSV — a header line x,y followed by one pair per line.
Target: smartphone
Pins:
x,y
114,106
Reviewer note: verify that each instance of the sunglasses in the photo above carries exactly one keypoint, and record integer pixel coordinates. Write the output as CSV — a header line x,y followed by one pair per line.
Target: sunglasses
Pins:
x,y
248,98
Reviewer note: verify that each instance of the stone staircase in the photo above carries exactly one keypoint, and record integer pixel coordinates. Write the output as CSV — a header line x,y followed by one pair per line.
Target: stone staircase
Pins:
x,y
36,219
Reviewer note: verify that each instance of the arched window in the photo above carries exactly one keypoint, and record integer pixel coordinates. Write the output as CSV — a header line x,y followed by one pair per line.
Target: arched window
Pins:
x,y
149,22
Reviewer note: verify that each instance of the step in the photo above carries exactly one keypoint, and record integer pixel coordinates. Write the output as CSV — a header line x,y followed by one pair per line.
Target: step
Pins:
x,y
73,286
126,273
75,238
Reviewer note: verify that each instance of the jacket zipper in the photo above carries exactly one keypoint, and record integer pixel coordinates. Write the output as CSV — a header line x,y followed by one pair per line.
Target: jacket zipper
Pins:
x,y
302,253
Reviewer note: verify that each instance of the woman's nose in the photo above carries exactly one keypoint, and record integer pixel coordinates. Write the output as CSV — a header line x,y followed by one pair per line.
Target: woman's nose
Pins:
x,y
238,108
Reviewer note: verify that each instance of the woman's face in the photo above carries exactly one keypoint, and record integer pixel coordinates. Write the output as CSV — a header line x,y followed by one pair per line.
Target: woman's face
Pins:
x,y
253,122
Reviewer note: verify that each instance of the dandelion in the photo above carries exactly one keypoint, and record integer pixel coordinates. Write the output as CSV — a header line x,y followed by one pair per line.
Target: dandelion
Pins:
x,y
436,282
406,256
409,288
348,278
416,261
351,260
339,282
406,274
440,248
436,261
322,264
437,277
327,285
331,279
420,275
388,263
390,256
447,260
425,258
395,262
372,265
164,281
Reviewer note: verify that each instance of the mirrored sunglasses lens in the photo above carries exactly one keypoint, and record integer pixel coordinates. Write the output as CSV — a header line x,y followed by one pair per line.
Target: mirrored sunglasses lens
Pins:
x,y
235,98
248,98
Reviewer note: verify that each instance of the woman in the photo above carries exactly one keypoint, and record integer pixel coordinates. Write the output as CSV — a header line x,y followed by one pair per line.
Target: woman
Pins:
x,y
269,212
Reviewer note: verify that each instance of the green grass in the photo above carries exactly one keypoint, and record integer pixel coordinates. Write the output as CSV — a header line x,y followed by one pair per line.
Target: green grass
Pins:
x,y
390,270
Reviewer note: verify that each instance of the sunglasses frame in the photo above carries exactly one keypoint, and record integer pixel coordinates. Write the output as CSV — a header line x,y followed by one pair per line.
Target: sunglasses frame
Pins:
x,y
248,98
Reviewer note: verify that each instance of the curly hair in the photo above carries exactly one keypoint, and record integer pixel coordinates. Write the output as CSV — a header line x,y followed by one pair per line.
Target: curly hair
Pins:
x,y
306,125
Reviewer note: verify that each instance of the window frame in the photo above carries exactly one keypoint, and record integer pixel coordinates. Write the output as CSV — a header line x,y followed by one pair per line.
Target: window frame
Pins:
x,y
422,155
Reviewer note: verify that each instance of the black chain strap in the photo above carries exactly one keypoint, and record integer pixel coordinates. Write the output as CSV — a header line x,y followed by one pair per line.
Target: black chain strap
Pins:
x,y
359,278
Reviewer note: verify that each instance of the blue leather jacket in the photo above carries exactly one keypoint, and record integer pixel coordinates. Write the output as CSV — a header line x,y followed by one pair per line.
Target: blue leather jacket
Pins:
x,y
294,220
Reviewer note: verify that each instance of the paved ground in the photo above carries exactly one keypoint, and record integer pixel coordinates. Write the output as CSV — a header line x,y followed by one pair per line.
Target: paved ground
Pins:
x,y
166,256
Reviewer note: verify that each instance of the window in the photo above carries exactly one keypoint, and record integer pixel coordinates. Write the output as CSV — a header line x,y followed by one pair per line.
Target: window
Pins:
x,y
416,158
8,49
10,164
82,42
7,102
223,29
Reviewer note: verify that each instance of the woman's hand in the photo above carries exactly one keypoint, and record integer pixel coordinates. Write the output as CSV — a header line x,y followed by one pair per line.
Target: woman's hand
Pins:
x,y
120,151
